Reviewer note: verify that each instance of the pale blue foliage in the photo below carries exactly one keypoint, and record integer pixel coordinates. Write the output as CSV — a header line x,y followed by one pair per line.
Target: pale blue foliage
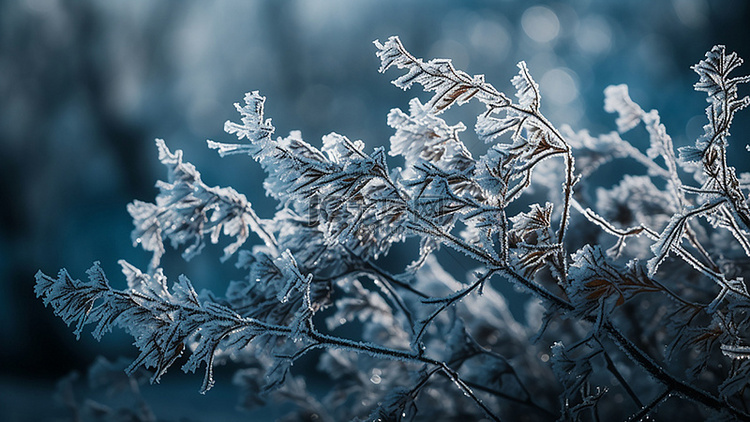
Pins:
x,y
426,344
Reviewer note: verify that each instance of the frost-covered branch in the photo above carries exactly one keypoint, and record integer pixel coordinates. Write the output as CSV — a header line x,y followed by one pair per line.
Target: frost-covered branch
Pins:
x,y
621,280
186,210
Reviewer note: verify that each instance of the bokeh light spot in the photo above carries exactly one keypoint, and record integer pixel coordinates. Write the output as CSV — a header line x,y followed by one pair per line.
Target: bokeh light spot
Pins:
x,y
559,86
594,35
540,24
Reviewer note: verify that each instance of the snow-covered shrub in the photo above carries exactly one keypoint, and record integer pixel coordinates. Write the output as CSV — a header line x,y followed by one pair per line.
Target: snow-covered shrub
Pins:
x,y
636,299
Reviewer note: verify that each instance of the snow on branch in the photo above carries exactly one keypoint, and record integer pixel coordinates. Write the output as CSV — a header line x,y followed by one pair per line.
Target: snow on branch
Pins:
x,y
187,209
163,321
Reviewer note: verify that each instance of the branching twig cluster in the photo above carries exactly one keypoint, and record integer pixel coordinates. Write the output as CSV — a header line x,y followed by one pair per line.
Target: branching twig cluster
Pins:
x,y
607,335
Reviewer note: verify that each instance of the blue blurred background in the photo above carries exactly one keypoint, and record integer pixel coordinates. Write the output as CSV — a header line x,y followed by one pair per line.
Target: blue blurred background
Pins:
x,y
86,86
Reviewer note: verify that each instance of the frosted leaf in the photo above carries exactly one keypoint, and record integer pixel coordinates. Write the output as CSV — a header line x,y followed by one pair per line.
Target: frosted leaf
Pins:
x,y
672,235
532,143
459,344
254,127
434,198
531,139
714,73
225,331
274,289
72,299
490,128
492,172
291,276
702,152
186,210
153,284
286,161
690,154
450,85
481,228
617,100
423,136
597,287
530,239
534,223
527,90
340,149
